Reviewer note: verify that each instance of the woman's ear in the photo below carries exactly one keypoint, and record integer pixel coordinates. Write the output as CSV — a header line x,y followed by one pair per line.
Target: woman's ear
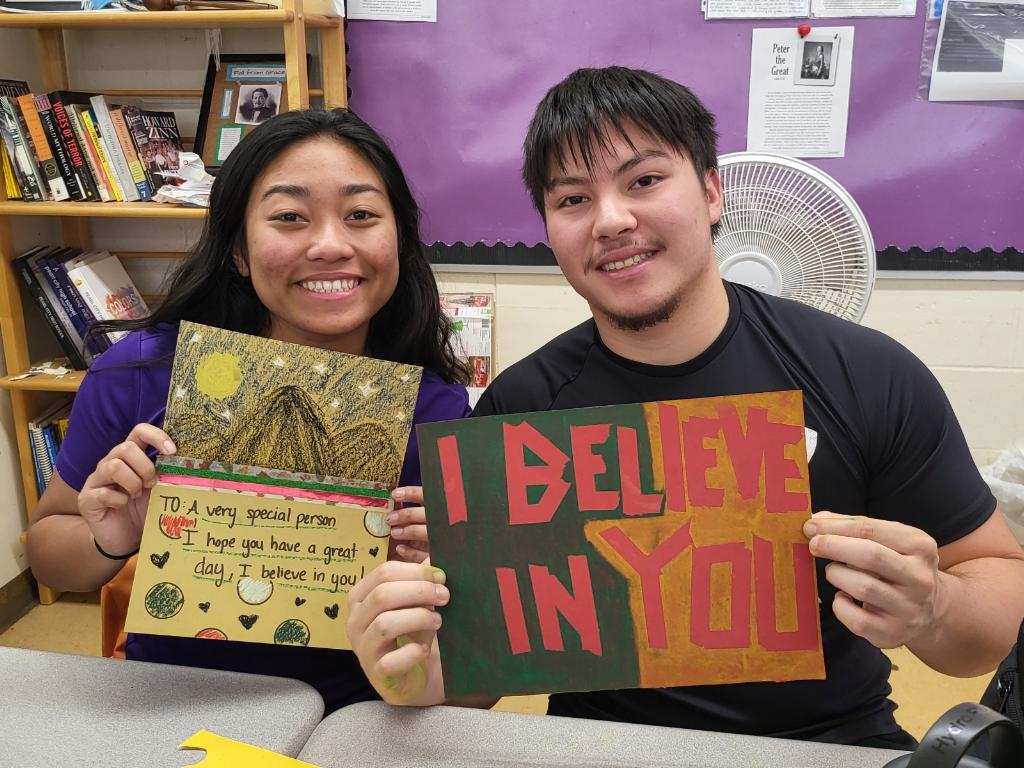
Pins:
x,y
241,264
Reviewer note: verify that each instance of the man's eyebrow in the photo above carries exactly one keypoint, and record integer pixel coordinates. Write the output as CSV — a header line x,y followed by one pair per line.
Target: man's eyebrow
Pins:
x,y
628,165
294,190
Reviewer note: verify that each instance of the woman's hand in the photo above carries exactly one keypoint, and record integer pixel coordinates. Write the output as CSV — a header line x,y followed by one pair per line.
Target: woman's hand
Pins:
x,y
409,525
115,496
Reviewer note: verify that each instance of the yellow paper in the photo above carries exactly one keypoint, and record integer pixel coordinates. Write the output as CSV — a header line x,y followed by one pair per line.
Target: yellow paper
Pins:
x,y
222,752
231,565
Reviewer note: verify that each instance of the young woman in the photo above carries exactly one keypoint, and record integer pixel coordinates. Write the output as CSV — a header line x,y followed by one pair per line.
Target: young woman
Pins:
x,y
312,238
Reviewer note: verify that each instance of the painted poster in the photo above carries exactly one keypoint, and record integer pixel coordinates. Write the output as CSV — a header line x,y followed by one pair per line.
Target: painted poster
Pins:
x,y
631,546
275,504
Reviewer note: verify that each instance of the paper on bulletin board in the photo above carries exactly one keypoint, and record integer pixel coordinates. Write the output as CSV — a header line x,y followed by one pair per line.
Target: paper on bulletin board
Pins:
x,y
800,91
393,10
755,9
855,8
238,553
631,546
979,53
472,317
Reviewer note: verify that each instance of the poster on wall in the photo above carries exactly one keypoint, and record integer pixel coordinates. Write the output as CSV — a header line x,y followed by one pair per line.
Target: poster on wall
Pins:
x,y
472,316
800,91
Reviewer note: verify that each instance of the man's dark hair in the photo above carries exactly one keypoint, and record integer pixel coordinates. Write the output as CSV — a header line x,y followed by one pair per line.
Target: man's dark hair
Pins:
x,y
579,114
264,91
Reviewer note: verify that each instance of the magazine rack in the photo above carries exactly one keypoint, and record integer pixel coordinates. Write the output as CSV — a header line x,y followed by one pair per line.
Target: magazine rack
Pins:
x,y
29,395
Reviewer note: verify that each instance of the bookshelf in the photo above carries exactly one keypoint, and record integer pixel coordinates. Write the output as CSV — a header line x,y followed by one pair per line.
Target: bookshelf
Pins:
x,y
293,17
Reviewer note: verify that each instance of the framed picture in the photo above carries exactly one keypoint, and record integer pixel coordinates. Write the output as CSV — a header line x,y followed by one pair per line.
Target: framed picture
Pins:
x,y
246,90
817,59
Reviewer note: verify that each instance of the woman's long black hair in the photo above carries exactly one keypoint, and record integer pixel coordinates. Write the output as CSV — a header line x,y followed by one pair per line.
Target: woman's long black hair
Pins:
x,y
207,287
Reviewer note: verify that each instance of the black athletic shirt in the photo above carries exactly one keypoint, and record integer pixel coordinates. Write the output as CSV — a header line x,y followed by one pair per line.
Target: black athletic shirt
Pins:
x,y
888,446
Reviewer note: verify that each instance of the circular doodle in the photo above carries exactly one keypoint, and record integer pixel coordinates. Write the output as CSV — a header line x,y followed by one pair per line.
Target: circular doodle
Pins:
x,y
164,600
291,632
253,591
211,633
376,524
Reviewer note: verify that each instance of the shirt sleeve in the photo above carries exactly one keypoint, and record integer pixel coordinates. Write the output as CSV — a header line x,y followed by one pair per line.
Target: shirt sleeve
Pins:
x,y
104,412
435,403
921,471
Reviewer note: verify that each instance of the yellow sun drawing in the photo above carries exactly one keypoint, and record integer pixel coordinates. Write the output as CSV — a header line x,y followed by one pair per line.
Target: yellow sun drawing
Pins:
x,y
218,375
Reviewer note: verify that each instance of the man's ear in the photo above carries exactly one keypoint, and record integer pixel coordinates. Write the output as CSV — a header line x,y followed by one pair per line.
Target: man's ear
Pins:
x,y
713,191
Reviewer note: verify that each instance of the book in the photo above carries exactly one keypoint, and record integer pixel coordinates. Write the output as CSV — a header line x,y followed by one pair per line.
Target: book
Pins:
x,y
91,157
49,292
72,144
43,436
53,268
25,170
60,333
158,140
131,154
57,149
107,289
11,188
89,123
41,148
118,160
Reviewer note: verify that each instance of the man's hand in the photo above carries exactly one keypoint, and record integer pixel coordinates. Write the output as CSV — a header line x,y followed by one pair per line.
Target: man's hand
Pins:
x,y
392,626
409,525
890,587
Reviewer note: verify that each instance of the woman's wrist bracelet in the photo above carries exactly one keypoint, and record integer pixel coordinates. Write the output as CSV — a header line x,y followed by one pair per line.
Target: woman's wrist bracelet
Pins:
x,y
113,557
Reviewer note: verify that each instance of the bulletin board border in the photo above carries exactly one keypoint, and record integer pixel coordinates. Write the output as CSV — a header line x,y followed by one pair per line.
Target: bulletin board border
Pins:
x,y
521,257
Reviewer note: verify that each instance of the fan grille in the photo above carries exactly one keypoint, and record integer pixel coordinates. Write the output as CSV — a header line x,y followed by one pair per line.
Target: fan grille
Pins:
x,y
801,228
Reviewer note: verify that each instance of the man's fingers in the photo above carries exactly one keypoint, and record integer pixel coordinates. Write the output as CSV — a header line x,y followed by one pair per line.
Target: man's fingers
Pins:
x,y
385,630
394,570
117,472
867,588
409,494
862,554
410,533
895,536
146,435
870,625
411,554
407,516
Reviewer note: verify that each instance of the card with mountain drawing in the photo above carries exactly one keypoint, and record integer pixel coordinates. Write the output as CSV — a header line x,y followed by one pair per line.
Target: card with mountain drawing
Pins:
x,y
274,506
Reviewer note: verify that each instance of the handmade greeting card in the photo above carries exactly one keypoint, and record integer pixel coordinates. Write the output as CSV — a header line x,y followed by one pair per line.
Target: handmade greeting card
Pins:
x,y
274,505
630,546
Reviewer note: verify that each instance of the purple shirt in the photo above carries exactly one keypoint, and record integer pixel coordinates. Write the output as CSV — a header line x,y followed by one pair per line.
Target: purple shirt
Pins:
x,y
127,385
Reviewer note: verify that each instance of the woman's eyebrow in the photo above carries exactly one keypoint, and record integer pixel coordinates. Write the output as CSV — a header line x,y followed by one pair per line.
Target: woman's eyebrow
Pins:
x,y
294,190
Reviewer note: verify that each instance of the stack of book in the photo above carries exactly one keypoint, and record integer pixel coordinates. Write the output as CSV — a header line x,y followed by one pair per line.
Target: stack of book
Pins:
x,y
76,288
68,145
44,435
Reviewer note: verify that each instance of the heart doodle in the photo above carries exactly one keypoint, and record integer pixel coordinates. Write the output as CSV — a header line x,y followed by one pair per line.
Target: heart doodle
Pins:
x,y
248,621
204,607
374,551
160,560
300,600
331,611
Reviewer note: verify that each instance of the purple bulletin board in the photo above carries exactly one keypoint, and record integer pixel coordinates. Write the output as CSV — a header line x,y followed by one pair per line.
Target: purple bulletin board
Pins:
x,y
455,98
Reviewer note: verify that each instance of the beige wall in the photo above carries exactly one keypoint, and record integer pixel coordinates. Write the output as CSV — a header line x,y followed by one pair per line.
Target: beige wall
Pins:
x,y
970,333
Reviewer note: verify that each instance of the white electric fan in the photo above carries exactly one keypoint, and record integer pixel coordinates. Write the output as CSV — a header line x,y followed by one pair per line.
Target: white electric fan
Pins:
x,y
791,230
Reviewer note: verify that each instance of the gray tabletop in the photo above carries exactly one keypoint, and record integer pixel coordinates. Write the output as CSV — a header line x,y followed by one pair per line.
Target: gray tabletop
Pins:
x,y
58,710
374,734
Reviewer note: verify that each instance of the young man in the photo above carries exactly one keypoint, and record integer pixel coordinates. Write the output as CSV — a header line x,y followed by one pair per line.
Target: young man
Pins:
x,y
910,547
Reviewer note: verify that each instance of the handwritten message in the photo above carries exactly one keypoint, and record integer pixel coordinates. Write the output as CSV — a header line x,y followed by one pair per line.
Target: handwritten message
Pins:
x,y
220,564
632,546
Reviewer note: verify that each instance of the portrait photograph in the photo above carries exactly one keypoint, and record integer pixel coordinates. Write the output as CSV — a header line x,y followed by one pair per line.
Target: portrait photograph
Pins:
x,y
817,59
257,103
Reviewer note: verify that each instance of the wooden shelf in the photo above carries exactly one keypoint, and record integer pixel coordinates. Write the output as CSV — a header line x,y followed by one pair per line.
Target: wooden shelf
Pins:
x,y
42,382
269,17
135,210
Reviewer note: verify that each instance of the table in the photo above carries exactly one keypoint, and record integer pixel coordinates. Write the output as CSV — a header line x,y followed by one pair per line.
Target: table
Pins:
x,y
373,734
59,710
